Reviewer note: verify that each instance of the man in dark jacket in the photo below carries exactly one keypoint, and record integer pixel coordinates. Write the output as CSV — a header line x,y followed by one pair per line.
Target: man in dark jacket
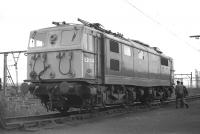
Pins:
x,y
179,92
185,93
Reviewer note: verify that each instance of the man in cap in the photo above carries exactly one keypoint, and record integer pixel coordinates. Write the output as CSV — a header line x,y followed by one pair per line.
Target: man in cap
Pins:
x,y
185,93
179,92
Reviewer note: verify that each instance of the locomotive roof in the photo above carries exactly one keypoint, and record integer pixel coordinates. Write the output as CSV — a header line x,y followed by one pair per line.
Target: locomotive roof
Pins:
x,y
60,27
138,44
111,35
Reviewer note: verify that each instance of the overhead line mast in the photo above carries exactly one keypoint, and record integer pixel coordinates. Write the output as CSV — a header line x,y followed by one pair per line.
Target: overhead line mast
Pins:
x,y
6,73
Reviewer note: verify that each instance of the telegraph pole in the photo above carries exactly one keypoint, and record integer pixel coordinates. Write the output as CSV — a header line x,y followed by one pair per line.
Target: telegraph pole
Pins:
x,y
5,73
196,37
191,80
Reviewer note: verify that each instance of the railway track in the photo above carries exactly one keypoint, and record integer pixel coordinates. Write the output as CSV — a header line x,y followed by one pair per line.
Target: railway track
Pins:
x,y
59,118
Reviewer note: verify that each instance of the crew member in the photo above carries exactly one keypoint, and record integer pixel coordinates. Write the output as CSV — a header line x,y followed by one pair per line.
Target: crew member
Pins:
x,y
185,93
179,94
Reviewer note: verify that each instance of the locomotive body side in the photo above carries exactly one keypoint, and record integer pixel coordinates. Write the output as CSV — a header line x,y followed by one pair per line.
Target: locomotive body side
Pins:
x,y
130,63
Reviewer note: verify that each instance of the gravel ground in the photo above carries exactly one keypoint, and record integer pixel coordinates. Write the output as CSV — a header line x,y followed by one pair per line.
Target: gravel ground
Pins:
x,y
167,120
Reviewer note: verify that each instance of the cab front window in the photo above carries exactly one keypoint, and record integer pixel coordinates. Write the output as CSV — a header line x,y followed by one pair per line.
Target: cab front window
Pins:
x,y
37,39
70,37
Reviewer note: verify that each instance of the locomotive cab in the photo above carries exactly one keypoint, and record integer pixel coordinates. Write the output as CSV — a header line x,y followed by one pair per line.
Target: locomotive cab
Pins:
x,y
61,60
63,52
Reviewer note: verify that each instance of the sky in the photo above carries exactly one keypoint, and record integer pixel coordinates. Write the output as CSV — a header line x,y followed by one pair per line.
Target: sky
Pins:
x,y
166,24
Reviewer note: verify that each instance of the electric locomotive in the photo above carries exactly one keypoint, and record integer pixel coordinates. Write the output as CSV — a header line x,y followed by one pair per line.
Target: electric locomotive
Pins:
x,y
85,65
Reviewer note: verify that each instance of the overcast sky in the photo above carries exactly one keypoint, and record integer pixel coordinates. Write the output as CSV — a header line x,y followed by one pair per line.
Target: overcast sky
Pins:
x,y
162,23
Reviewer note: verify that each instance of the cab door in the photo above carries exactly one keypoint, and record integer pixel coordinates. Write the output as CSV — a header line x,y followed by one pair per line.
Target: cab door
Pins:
x,y
88,56
99,58
93,56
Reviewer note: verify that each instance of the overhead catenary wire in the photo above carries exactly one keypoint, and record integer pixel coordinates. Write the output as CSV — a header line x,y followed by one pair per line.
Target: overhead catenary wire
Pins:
x,y
158,23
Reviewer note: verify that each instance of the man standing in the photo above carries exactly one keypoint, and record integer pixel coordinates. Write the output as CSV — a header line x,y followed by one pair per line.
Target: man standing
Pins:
x,y
185,93
179,92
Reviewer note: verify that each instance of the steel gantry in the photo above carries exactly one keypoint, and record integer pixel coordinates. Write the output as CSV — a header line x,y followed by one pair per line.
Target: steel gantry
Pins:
x,y
181,77
7,77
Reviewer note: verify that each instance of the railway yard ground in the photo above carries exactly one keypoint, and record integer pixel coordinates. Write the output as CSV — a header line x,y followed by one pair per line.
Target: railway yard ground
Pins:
x,y
164,120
